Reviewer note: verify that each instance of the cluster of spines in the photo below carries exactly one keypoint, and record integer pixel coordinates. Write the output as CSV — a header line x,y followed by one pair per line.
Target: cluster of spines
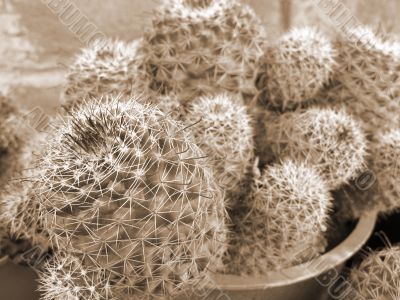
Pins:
x,y
124,188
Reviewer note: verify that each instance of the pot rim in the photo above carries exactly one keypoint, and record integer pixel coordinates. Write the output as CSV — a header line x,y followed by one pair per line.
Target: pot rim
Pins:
x,y
330,260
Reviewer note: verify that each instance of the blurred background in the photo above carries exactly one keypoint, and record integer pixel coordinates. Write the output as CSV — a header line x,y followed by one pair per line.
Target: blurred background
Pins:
x,y
37,41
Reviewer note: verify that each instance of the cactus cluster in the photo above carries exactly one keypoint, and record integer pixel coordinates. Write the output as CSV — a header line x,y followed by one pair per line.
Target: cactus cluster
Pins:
x,y
295,68
195,48
377,277
223,129
124,188
329,140
286,221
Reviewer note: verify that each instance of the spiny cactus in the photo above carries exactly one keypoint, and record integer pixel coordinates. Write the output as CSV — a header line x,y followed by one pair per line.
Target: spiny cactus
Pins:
x,y
369,66
295,68
377,277
197,48
105,67
223,129
286,219
124,188
329,140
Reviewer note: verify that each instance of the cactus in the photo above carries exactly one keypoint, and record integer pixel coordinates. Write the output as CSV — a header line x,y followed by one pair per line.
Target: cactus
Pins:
x,y
105,67
124,189
381,193
368,67
295,69
197,48
286,219
223,130
19,229
377,277
329,140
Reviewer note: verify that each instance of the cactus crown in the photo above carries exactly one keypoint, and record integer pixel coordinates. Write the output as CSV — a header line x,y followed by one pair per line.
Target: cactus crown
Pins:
x,y
124,188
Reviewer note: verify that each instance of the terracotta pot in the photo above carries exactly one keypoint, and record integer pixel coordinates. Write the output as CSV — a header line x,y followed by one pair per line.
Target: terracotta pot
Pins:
x,y
318,279
314,280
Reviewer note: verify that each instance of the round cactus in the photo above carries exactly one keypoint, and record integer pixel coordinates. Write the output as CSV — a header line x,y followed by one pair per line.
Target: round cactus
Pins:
x,y
329,140
102,69
369,67
223,130
295,69
124,188
286,220
377,277
197,48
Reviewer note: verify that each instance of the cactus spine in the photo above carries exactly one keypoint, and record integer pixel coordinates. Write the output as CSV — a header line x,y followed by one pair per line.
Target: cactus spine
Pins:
x,y
124,189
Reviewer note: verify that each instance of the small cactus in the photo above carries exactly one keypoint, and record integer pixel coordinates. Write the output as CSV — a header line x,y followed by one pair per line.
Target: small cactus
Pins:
x,y
197,48
295,69
105,67
381,192
223,130
285,222
369,67
377,277
329,140
124,189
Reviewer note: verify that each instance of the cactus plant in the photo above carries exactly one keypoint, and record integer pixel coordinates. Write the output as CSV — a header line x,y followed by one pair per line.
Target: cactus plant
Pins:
x,y
286,220
329,140
223,130
197,48
369,67
377,277
294,69
104,67
124,188
381,192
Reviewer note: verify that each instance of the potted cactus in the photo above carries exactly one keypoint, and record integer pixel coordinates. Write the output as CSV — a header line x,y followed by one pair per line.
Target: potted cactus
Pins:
x,y
205,161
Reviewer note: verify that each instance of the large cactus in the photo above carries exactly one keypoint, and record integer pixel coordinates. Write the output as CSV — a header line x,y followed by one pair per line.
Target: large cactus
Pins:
x,y
377,277
104,67
124,188
329,140
285,222
223,129
200,47
294,69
